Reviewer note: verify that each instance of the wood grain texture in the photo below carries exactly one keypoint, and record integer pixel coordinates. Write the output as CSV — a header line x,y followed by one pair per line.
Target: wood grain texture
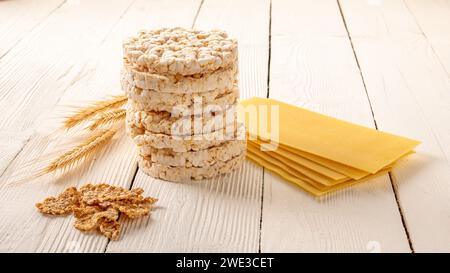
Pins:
x,y
410,93
49,60
18,18
221,214
313,66
23,228
56,53
253,38
216,215
433,20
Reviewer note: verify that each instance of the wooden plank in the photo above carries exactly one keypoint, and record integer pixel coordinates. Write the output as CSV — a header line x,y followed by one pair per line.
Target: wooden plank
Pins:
x,y
433,18
24,229
410,94
20,17
222,214
45,63
51,59
313,66
217,215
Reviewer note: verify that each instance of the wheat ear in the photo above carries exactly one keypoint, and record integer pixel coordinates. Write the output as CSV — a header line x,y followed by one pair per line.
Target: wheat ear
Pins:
x,y
109,117
92,110
77,154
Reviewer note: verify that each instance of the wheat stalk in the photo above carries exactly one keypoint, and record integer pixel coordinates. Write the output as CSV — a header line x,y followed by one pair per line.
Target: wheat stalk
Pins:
x,y
80,152
92,110
109,117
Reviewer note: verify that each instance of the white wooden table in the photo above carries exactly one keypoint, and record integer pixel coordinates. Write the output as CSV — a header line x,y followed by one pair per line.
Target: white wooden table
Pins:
x,y
380,63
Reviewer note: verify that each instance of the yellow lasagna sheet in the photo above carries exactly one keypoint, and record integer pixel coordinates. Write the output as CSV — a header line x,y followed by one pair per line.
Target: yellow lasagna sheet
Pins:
x,y
333,165
323,170
302,130
309,186
294,167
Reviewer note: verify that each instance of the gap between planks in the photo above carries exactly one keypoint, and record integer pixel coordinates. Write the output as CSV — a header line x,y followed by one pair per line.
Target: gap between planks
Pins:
x,y
130,187
394,189
267,96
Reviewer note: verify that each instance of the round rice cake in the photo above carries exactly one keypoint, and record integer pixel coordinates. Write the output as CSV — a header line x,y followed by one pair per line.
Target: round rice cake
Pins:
x,y
180,51
207,157
182,174
220,79
209,103
182,144
164,123
156,99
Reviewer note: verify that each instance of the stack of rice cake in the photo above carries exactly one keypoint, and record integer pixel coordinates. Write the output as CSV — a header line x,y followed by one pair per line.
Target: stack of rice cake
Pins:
x,y
182,93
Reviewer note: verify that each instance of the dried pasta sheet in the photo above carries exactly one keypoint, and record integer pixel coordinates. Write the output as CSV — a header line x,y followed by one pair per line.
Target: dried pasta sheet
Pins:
x,y
302,130
293,167
296,155
312,187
